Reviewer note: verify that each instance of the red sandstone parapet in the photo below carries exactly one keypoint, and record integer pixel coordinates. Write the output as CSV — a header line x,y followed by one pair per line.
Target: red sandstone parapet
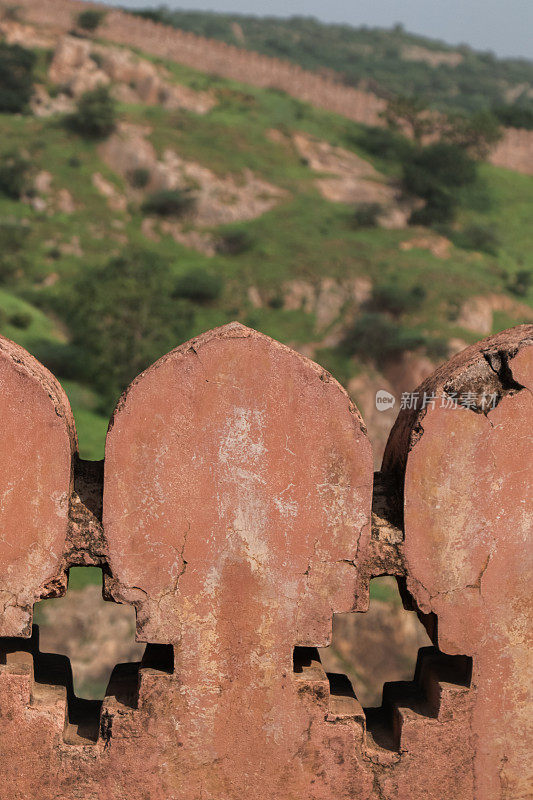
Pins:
x,y
235,461
236,519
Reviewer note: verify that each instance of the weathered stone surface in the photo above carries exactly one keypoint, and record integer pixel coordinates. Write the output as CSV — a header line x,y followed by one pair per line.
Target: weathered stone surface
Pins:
x,y
37,441
237,494
466,481
235,450
236,519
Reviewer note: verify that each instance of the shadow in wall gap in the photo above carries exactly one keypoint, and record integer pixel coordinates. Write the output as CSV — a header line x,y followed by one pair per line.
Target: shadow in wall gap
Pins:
x,y
427,683
438,686
47,677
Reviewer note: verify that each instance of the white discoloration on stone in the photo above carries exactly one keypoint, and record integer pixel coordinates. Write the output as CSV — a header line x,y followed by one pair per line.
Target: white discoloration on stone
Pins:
x,y
242,442
343,505
286,506
239,477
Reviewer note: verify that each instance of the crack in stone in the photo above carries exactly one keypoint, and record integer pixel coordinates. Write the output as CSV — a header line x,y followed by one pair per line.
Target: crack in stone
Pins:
x,y
477,582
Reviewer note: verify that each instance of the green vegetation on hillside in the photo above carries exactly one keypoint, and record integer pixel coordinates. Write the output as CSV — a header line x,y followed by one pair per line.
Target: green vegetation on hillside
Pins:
x,y
95,115
386,61
123,315
16,77
88,291
90,20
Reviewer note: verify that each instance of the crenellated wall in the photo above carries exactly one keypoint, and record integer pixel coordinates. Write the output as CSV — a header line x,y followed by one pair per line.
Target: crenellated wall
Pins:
x,y
514,151
236,510
212,56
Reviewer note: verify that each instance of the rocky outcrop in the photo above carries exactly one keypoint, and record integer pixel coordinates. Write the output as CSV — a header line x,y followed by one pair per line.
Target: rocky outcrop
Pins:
x,y
438,246
477,313
49,198
348,178
218,200
79,65
15,32
328,299
43,104
115,200
514,151
434,58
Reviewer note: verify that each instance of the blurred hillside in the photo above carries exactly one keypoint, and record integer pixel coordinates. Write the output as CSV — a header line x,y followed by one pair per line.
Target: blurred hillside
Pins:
x,y
142,202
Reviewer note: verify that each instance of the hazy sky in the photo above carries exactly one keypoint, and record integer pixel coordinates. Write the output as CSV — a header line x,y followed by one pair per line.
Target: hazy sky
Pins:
x,y
504,26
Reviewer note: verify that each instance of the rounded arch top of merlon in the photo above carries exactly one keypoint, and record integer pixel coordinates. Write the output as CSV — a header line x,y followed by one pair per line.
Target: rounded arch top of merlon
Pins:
x,y
27,365
493,367
236,330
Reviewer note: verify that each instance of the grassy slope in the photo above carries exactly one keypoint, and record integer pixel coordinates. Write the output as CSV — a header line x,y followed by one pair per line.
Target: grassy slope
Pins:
x,y
305,237
373,55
